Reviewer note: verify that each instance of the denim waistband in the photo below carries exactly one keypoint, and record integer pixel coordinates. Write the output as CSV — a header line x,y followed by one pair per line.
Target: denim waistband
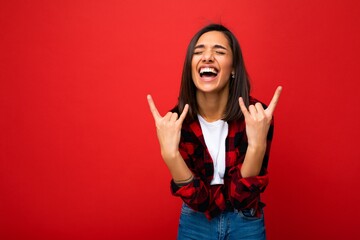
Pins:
x,y
248,212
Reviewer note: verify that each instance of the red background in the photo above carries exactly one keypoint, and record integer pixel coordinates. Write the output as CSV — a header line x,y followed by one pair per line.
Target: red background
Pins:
x,y
79,155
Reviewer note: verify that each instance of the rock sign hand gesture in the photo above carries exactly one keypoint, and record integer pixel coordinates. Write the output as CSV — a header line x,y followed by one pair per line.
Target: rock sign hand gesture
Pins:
x,y
258,119
168,129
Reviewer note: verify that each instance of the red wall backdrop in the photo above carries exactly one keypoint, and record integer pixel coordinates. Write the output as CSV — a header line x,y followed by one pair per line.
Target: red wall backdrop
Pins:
x,y
79,158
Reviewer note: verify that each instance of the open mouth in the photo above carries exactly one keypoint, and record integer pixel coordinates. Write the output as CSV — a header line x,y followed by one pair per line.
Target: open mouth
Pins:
x,y
208,72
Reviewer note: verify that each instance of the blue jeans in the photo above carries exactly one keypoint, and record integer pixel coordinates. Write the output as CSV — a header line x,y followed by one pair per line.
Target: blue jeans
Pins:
x,y
229,225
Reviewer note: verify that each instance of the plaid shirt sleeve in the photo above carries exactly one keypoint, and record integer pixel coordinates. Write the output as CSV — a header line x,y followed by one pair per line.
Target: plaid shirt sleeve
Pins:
x,y
195,193
245,192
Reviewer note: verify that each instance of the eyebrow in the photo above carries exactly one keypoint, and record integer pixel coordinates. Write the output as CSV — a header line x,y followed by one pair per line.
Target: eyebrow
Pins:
x,y
215,46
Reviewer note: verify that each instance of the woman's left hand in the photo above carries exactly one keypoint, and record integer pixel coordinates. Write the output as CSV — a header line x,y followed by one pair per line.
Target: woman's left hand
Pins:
x,y
258,120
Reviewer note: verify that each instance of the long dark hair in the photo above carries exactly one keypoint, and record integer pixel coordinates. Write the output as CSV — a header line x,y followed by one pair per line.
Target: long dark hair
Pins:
x,y
239,86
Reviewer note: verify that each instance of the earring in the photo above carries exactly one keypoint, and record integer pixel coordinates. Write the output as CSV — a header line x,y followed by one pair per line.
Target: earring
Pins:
x,y
232,75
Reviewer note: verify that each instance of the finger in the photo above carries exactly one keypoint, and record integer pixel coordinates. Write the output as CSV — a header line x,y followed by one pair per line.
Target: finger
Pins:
x,y
274,100
153,108
183,114
243,108
259,108
252,111
174,117
167,117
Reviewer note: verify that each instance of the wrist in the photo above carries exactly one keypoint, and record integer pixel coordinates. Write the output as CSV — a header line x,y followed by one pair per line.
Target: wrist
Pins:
x,y
178,168
170,156
256,146
253,160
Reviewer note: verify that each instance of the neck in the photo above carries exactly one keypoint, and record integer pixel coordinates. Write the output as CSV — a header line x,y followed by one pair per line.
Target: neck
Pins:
x,y
212,105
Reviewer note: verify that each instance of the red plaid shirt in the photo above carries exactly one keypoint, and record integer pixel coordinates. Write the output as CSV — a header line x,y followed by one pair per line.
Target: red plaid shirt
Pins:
x,y
236,192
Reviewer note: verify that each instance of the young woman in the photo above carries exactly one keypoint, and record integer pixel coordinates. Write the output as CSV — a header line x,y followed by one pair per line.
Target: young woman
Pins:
x,y
216,141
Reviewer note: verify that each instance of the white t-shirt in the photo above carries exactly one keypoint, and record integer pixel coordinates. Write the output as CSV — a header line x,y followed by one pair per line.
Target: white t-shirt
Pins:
x,y
215,134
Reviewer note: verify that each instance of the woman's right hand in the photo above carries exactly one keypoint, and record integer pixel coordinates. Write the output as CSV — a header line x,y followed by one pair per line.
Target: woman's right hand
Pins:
x,y
168,129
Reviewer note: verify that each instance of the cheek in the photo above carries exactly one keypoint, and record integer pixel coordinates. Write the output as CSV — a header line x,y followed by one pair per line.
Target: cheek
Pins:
x,y
194,61
228,65
193,68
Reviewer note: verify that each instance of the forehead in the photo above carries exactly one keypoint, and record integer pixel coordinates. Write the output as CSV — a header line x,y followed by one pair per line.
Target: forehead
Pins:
x,y
213,38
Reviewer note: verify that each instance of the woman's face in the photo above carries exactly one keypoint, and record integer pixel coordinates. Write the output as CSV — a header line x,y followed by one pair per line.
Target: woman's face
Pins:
x,y
211,64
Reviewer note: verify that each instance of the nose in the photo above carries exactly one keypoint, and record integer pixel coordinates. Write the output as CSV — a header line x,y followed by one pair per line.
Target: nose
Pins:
x,y
207,56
